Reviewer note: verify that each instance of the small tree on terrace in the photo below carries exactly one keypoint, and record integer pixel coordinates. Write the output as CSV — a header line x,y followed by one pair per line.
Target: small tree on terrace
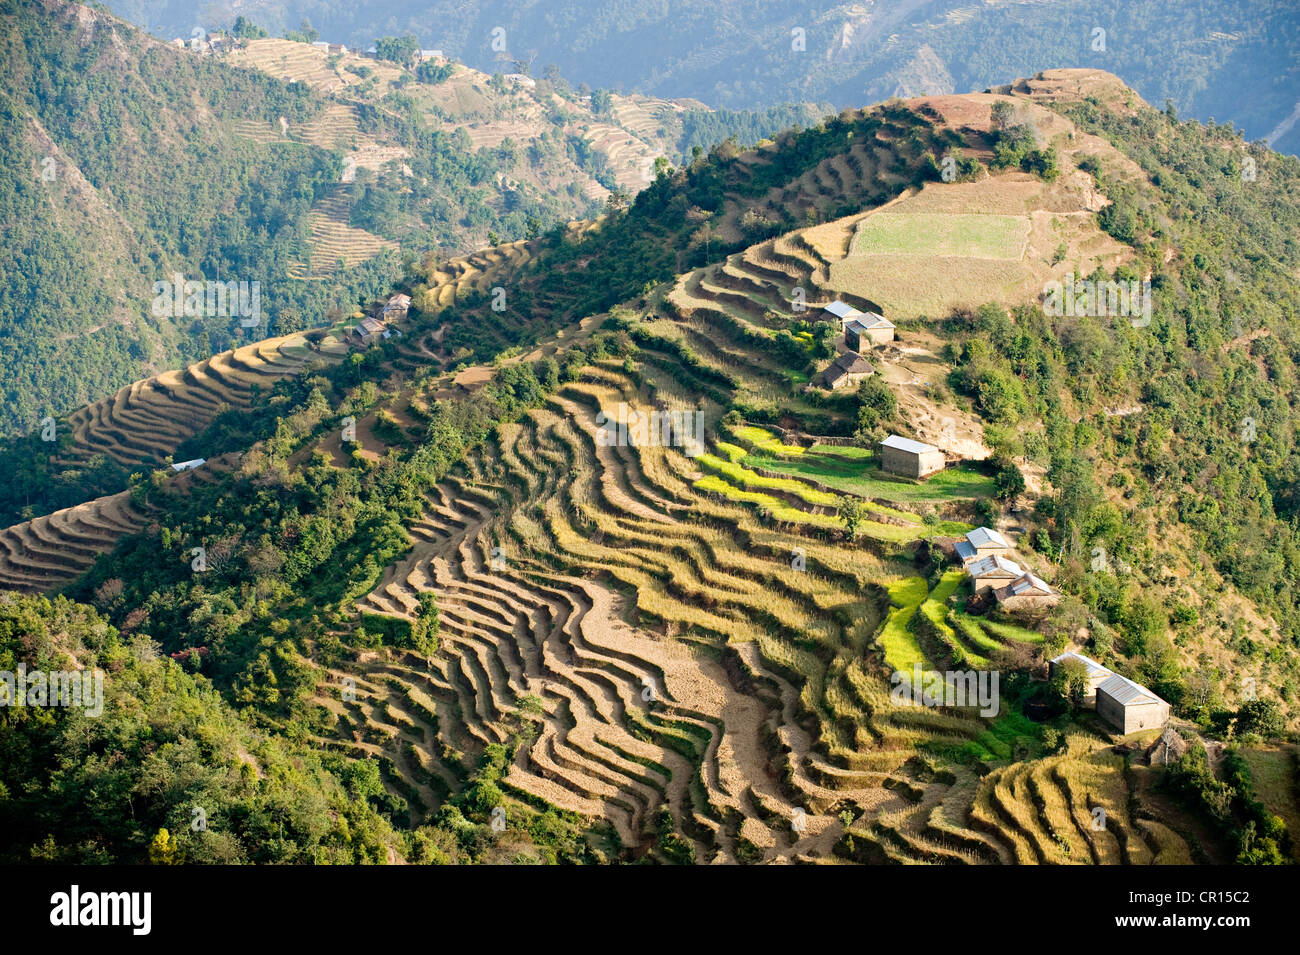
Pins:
x,y
1000,114
852,512
1008,480
1072,680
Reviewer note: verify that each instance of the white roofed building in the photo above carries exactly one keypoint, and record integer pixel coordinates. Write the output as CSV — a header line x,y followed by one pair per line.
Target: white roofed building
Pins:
x,y
842,312
1129,707
993,571
866,330
914,459
982,542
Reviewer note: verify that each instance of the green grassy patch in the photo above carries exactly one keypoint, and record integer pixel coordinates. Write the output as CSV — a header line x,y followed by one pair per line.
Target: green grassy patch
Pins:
x,y
1004,734
863,478
752,481
850,451
972,632
765,441
902,650
779,509
972,235
1010,631
732,452
936,611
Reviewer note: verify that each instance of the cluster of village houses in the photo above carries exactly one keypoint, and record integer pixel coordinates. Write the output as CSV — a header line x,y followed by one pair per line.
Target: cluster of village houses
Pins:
x,y
987,556
984,552
375,327
861,331
221,43
1125,706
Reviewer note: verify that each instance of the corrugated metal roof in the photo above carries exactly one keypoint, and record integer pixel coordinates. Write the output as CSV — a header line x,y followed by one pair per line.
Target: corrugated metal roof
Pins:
x,y
986,537
995,562
900,443
1125,692
876,320
1030,582
841,310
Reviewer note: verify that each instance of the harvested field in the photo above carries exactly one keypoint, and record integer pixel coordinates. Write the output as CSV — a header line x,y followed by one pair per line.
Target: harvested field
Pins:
x,y
50,551
147,420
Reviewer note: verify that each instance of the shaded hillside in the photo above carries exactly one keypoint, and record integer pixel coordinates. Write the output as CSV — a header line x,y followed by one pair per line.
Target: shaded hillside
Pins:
x,y
114,185
1233,61
235,169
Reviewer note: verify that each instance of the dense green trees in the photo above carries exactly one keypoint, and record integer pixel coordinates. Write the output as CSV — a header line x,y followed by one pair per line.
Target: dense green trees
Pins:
x,y
1213,376
168,187
397,49
1261,838
165,754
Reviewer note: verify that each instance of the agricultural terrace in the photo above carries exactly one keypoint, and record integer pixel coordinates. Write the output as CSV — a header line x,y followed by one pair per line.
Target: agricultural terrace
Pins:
x,y
958,245
923,233
854,470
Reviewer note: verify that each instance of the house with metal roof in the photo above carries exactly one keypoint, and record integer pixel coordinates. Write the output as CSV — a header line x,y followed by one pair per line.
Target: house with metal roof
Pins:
x,y
982,542
992,571
396,307
868,329
846,370
914,459
189,465
1129,707
368,330
1027,591
841,312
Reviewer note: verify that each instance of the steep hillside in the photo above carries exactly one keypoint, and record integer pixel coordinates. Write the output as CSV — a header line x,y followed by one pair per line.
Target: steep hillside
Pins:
x,y
437,557
220,168
114,186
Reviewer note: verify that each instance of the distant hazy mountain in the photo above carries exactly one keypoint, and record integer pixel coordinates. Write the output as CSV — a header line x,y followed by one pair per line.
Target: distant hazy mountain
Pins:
x,y
1233,60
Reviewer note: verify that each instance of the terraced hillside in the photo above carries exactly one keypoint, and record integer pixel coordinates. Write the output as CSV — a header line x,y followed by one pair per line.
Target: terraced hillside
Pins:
x,y
144,423
147,420
336,245
643,608
678,658
48,552
443,562
297,62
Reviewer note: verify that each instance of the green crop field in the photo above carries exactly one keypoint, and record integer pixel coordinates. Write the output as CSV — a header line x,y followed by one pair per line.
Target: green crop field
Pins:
x,y
972,236
902,651
861,477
